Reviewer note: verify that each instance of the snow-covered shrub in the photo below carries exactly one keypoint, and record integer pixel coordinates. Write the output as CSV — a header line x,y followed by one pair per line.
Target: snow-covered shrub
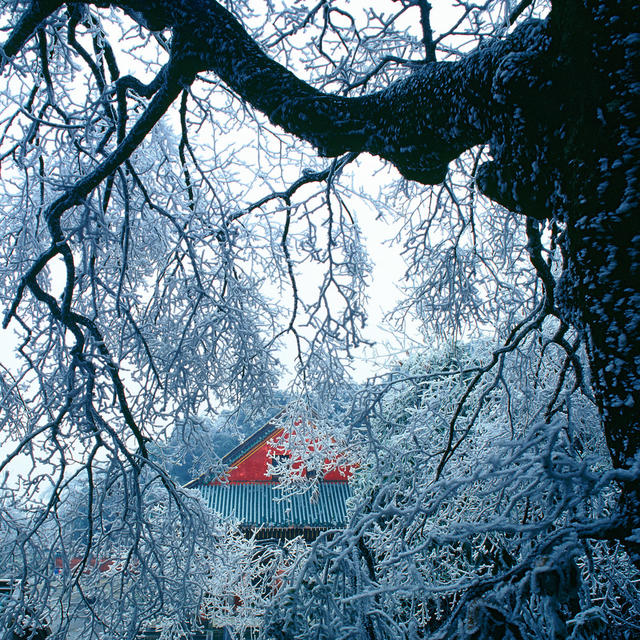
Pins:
x,y
484,509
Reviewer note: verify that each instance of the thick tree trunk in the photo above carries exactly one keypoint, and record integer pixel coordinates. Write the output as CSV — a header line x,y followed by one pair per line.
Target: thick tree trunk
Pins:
x,y
567,146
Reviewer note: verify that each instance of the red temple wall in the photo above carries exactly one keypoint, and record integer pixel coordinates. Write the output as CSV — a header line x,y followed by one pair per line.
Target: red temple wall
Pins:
x,y
252,467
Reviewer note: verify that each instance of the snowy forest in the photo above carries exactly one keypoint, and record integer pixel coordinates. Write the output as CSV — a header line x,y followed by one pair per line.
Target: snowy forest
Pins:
x,y
415,222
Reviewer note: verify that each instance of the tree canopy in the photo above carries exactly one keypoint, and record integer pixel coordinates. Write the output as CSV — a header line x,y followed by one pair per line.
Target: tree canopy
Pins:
x,y
187,190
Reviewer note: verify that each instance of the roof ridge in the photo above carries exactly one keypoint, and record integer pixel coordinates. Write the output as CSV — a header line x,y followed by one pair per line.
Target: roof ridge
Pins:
x,y
264,432
258,436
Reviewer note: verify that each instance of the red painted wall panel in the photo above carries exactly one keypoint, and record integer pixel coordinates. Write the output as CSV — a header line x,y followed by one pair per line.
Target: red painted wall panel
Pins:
x,y
252,467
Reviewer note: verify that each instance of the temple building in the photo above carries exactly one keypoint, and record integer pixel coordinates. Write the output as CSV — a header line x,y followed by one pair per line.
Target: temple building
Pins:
x,y
250,490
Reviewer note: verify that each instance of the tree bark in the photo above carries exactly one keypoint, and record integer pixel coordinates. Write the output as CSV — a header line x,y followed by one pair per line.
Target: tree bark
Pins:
x,y
567,146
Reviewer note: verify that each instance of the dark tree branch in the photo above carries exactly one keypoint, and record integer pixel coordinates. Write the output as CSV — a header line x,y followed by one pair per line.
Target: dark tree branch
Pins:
x,y
38,11
534,246
519,10
307,177
427,33
449,105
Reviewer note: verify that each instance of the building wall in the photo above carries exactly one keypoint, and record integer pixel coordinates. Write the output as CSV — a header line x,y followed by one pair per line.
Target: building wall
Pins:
x,y
252,466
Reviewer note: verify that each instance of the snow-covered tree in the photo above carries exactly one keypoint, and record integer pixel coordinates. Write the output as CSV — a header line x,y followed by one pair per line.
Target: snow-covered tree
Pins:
x,y
168,228
481,511
126,554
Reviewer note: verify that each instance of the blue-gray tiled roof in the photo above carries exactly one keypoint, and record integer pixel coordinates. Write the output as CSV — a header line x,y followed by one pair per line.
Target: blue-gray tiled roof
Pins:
x,y
263,504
